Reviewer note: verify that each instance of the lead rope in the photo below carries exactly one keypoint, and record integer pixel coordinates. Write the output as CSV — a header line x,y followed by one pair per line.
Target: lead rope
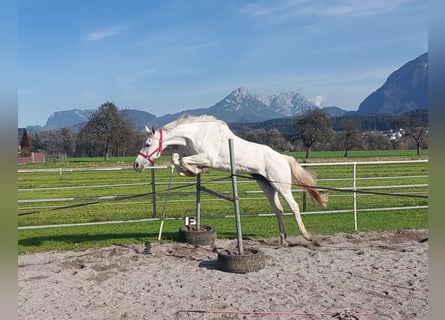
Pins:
x,y
165,204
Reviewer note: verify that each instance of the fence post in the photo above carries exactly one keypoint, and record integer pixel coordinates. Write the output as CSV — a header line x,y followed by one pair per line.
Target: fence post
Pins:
x,y
153,190
304,201
304,196
236,199
198,201
354,180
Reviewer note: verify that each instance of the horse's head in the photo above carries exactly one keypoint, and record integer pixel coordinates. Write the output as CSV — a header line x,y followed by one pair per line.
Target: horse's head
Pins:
x,y
150,151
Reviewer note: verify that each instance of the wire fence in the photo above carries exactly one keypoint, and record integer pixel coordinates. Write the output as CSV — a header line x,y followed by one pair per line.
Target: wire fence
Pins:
x,y
353,187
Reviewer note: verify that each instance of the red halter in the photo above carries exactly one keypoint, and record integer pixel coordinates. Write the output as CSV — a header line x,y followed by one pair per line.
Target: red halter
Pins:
x,y
158,149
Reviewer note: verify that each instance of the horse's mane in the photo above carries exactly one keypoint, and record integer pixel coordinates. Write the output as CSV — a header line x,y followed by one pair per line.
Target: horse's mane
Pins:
x,y
192,119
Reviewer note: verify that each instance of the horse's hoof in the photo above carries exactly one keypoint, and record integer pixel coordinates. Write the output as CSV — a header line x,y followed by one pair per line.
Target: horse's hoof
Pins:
x,y
187,174
175,158
308,237
315,242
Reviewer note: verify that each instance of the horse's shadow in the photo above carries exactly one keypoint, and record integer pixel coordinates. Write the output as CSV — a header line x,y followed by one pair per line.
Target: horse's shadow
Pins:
x,y
209,264
116,238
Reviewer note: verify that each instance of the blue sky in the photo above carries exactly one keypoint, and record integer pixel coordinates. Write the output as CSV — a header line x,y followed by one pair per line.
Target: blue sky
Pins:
x,y
167,56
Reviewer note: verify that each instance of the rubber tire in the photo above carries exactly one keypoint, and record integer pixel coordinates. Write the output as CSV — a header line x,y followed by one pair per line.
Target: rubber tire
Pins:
x,y
253,261
200,238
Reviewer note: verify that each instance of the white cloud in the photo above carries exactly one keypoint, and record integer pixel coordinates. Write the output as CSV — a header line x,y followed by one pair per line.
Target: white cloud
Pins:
x,y
318,100
197,46
103,33
286,9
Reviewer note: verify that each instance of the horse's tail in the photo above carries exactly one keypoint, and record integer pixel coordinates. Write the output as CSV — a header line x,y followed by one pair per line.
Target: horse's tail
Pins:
x,y
306,180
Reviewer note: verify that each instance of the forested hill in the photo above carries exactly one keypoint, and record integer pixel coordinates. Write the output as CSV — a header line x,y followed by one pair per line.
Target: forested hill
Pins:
x,y
406,89
372,122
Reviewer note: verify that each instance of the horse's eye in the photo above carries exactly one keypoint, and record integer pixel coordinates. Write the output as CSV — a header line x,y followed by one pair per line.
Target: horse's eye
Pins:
x,y
147,143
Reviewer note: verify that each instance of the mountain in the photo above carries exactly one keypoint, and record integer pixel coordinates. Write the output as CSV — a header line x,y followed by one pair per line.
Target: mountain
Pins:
x,y
73,118
242,106
139,118
406,89
334,111
36,128
290,104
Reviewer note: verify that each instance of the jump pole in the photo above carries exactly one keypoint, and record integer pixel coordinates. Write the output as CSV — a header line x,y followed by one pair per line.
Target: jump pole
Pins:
x,y
235,199
165,204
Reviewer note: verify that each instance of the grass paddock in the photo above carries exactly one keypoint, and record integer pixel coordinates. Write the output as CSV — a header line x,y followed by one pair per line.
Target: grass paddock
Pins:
x,y
49,185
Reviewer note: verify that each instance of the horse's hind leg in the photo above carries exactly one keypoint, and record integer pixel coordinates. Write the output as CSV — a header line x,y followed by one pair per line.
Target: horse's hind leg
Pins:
x,y
287,195
274,201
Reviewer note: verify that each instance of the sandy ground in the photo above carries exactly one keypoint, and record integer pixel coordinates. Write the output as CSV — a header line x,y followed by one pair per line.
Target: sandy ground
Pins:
x,y
378,275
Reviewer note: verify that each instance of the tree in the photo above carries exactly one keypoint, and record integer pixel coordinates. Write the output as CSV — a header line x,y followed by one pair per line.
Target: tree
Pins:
x,y
350,135
313,127
53,141
276,140
377,141
272,137
105,129
68,141
414,129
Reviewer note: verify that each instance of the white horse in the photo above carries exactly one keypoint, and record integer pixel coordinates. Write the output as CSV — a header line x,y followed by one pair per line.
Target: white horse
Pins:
x,y
203,143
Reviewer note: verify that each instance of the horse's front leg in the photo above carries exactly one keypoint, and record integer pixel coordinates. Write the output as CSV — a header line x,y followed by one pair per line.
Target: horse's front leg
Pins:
x,y
183,172
190,165
195,163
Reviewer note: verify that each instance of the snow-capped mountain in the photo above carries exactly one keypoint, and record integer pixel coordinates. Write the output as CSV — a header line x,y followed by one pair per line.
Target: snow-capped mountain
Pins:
x,y
241,105
290,103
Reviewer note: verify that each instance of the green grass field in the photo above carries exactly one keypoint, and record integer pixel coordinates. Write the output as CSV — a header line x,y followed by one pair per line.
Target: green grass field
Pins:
x,y
51,187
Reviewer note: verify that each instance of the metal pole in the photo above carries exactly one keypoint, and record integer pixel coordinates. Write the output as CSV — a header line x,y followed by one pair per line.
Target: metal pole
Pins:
x,y
355,195
304,201
153,190
235,199
304,196
198,201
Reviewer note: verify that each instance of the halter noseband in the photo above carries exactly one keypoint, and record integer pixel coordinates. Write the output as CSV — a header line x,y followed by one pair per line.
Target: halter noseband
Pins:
x,y
158,149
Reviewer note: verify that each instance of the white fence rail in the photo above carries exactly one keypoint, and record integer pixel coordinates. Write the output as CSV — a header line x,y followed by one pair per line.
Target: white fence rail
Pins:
x,y
247,195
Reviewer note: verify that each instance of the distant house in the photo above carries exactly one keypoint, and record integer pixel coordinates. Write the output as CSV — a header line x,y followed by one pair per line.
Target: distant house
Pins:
x,y
24,149
24,143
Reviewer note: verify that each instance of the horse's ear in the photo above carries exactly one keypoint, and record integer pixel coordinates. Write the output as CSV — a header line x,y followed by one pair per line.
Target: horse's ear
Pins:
x,y
153,130
147,129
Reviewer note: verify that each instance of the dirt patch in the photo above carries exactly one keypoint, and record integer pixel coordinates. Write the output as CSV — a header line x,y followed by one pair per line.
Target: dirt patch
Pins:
x,y
375,275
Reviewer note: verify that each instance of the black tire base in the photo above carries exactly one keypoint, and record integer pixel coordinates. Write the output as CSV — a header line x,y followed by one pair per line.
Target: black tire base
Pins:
x,y
205,236
251,261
